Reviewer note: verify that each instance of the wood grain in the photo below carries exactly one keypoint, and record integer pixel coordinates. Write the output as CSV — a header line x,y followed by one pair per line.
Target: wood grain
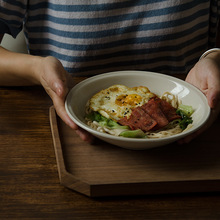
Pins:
x,y
29,182
102,169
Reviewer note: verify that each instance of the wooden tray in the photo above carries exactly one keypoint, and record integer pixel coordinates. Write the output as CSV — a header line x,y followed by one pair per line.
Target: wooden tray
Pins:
x,y
102,169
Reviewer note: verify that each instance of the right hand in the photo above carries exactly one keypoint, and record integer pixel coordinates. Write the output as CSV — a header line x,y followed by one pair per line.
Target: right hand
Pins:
x,y
205,75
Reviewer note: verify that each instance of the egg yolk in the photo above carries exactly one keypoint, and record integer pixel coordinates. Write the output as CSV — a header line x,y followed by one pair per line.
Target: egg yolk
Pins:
x,y
132,99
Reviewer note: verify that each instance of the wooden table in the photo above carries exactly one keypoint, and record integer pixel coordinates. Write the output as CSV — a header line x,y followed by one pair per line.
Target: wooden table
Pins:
x,y
29,183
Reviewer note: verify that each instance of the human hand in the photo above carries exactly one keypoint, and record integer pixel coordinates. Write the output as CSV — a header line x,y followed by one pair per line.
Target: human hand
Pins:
x,y
57,82
205,75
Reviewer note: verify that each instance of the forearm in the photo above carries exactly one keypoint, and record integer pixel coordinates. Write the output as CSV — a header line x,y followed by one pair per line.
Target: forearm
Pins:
x,y
18,69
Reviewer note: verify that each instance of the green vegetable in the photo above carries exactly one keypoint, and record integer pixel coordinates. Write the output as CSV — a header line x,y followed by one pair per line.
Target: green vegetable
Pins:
x,y
95,116
105,122
187,109
110,124
185,119
133,134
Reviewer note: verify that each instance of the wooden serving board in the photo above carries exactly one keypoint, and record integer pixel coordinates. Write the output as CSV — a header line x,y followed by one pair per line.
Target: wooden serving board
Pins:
x,y
102,169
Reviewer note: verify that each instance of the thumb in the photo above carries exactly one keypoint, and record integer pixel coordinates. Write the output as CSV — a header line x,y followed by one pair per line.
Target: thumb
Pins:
x,y
60,88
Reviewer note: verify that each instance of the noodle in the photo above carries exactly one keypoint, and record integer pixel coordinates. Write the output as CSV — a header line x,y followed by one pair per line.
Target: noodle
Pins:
x,y
172,99
171,129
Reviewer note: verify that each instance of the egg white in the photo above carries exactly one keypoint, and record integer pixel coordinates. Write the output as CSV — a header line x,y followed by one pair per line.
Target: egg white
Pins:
x,y
118,101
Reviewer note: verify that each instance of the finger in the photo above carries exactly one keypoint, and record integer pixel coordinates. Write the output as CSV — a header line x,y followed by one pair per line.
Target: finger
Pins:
x,y
60,88
57,93
85,136
60,109
61,112
64,116
56,84
189,138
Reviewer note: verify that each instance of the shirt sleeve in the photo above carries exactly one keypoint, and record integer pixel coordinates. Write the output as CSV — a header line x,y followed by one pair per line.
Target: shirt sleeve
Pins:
x,y
12,16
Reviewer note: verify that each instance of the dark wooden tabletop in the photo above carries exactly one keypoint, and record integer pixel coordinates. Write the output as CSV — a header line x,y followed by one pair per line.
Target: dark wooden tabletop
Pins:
x,y
29,183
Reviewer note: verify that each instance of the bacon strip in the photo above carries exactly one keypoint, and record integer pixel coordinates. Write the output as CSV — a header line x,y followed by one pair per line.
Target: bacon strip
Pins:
x,y
153,115
139,119
152,107
169,110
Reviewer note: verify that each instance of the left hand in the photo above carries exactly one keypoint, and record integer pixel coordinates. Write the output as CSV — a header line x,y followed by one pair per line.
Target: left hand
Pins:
x,y
57,82
205,75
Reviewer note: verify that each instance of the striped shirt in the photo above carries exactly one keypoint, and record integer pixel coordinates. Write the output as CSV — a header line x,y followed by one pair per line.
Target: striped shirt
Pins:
x,y
92,37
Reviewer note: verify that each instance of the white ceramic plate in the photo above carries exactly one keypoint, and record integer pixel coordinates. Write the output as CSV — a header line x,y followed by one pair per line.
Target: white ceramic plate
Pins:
x,y
157,83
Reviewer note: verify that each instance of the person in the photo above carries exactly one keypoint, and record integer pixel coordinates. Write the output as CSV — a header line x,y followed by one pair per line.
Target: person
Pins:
x,y
83,38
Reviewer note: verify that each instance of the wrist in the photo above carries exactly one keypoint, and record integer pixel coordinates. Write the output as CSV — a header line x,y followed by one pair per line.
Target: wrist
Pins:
x,y
215,55
36,63
212,53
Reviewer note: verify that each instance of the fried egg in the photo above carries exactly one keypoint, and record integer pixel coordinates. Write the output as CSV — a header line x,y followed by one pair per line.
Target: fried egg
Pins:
x,y
118,101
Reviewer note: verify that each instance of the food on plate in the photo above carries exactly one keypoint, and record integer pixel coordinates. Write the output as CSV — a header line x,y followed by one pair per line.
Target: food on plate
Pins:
x,y
137,113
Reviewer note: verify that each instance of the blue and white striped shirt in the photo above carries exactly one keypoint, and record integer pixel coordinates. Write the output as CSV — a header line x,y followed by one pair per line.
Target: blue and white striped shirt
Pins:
x,y
92,37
